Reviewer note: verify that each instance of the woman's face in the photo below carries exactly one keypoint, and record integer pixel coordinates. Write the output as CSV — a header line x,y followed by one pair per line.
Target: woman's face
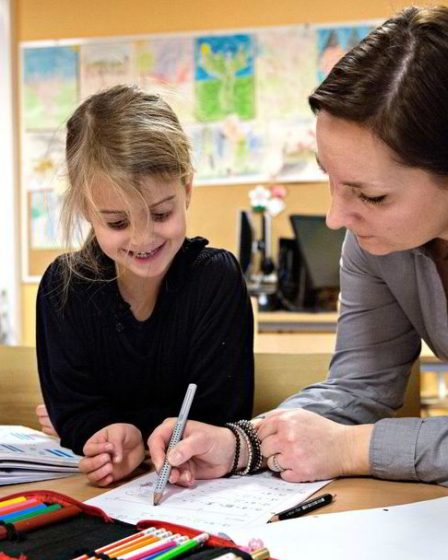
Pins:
x,y
142,238
388,206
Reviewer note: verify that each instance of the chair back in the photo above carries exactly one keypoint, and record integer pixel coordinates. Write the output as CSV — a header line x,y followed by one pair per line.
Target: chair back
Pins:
x,y
279,375
19,386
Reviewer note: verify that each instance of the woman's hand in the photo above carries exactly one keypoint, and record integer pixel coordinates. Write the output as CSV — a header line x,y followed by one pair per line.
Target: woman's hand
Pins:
x,y
46,424
310,447
204,452
112,453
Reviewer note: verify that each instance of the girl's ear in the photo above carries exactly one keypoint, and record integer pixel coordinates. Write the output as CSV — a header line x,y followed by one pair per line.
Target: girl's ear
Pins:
x,y
188,191
86,213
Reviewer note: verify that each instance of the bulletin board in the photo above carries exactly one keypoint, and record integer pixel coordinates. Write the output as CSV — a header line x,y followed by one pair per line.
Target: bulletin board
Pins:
x,y
9,249
241,97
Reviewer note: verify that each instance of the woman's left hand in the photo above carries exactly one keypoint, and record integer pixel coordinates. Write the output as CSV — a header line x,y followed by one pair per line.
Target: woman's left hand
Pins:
x,y
310,447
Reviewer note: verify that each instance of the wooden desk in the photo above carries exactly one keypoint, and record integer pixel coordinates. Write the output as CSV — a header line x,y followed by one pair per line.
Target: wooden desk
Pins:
x,y
288,321
351,493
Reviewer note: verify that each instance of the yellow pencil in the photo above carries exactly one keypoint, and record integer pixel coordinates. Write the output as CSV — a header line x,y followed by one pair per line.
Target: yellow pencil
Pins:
x,y
13,501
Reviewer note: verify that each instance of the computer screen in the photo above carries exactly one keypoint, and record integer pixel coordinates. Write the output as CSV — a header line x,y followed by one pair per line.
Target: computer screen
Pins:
x,y
245,237
320,248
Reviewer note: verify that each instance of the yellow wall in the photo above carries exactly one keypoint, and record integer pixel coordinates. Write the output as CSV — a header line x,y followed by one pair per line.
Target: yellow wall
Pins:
x,y
214,209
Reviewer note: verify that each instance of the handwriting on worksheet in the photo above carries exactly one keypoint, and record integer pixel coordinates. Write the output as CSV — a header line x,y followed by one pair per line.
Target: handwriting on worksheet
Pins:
x,y
213,505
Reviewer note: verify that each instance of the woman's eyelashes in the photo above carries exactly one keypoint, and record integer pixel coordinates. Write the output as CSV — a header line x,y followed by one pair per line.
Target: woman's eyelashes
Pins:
x,y
375,200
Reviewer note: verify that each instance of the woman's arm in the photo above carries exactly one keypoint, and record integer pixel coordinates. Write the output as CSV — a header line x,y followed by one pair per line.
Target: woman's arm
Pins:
x,y
376,345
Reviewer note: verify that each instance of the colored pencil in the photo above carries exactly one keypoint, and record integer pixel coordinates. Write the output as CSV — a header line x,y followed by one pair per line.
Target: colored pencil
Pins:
x,y
19,506
114,551
47,518
172,540
12,501
23,516
184,547
107,547
138,543
151,552
159,551
9,517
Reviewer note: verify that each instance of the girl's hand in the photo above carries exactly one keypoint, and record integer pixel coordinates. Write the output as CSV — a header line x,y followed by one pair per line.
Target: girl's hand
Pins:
x,y
310,447
204,452
112,453
44,420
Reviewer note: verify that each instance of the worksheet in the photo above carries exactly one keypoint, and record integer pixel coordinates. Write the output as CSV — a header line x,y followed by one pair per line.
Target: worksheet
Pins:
x,y
22,446
27,455
212,505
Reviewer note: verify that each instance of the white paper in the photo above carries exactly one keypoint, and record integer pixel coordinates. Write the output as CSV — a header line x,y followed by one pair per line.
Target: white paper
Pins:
x,y
213,505
25,447
409,532
19,476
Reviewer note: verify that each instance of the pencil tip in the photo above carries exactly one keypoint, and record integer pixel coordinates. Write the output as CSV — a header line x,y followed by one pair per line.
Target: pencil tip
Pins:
x,y
157,498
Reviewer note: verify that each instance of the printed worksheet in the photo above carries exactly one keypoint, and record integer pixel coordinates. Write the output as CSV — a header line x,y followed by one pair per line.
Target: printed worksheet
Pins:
x,y
212,505
22,446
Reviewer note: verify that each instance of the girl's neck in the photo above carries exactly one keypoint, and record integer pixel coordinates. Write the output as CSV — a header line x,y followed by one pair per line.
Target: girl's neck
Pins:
x,y
140,293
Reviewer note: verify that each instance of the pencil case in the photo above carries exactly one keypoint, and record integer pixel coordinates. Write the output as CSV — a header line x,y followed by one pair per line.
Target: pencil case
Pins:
x,y
69,529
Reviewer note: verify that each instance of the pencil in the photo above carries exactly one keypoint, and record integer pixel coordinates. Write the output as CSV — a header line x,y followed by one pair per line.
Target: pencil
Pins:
x,y
138,543
18,506
184,547
12,501
32,512
156,548
47,518
175,438
303,508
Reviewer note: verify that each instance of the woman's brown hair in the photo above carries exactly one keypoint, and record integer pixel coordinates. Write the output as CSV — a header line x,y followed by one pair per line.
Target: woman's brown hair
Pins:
x,y
395,82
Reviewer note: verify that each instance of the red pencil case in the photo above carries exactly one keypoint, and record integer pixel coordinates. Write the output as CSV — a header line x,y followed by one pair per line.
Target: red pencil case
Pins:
x,y
81,529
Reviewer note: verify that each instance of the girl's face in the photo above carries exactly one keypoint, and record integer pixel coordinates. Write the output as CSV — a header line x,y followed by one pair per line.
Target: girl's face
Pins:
x,y
142,240
387,205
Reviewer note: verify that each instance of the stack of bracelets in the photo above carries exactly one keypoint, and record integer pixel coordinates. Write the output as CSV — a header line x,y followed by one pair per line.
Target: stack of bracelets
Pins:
x,y
244,431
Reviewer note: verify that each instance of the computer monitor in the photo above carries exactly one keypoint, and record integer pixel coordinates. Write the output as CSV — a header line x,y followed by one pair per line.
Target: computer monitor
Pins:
x,y
245,237
320,251
320,248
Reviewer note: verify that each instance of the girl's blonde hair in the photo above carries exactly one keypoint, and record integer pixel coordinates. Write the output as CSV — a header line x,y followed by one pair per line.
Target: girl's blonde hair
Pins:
x,y
122,134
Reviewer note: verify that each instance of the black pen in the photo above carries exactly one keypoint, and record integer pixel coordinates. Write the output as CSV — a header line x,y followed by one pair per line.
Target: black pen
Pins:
x,y
302,509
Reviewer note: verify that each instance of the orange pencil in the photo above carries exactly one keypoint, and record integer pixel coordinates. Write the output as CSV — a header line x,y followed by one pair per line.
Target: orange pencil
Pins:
x,y
108,547
138,543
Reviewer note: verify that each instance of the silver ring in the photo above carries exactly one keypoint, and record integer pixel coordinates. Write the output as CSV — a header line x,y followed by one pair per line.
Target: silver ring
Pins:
x,y
275,466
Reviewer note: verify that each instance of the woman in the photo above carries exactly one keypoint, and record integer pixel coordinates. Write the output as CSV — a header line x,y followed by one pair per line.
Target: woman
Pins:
x,y
127,322
382,137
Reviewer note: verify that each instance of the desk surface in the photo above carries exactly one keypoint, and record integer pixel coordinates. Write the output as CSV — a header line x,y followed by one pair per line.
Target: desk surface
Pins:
x,y
351,493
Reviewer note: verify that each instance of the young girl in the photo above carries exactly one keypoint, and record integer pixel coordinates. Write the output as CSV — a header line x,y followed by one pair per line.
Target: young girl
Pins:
x,y
127,322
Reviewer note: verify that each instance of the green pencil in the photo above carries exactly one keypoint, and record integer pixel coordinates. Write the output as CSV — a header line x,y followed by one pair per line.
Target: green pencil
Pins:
x,y
23,516
184,547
